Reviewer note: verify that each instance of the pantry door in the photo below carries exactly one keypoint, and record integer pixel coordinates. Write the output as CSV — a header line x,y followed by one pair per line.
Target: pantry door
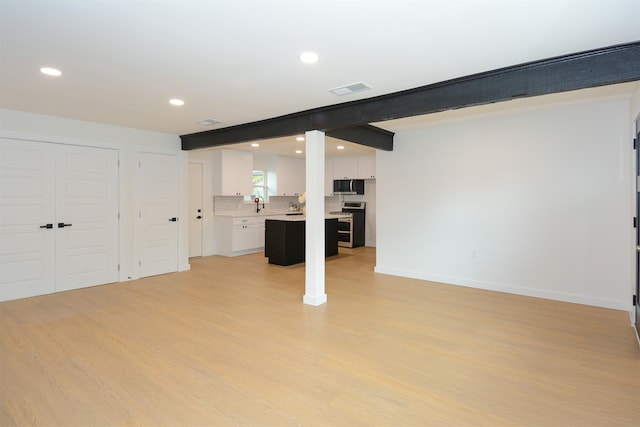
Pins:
x,y
27,215
86,217
157,242
195,209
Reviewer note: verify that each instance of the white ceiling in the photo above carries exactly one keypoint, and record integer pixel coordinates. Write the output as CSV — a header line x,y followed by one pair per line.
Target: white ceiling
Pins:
x,y
237,60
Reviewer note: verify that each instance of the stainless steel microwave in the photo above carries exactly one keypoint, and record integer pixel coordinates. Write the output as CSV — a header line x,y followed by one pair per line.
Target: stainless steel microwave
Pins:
x,y
348,186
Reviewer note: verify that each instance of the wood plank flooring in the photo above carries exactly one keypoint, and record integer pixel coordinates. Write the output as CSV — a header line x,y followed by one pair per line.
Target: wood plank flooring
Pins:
x,y
230,343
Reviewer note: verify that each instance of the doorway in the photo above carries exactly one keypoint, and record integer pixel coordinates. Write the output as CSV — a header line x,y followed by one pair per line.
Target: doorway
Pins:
x,y
195,209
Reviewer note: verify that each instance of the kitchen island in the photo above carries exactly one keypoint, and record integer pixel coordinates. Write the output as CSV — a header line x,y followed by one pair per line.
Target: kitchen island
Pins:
x,y
285,238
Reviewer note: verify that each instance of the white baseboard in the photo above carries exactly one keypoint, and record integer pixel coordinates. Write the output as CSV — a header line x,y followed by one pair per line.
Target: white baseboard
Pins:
x,y
315,300
502,287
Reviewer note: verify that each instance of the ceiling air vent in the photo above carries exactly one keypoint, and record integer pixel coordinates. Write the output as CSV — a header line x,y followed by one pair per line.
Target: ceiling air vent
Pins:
x,y
208,122
352,88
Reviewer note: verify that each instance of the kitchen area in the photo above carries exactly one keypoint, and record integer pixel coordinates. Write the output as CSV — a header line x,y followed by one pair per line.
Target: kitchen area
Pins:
x,y
244,202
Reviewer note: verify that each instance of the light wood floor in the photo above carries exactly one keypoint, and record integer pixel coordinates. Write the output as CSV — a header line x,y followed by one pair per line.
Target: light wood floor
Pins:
x,y
230,343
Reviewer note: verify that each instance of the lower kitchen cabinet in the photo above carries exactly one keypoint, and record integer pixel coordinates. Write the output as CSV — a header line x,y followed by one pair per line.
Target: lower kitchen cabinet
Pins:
x,y
243,234
239,235
285,241
260,230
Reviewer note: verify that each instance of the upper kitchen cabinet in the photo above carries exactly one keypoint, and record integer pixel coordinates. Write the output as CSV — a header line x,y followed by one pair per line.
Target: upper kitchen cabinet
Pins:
x,y
291,178
367,167
345,168
355,167
232,172
328,177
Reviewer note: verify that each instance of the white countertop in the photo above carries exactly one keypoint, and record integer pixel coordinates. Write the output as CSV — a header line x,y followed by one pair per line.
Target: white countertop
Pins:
x,y
302,217
282,216
248,214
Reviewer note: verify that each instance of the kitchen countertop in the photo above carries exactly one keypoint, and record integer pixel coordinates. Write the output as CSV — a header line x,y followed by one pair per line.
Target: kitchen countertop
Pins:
x,y
246,214
283,217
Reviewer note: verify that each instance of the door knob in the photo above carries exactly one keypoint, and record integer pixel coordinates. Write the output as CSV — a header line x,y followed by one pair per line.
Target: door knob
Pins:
x,y
63,225
174,219
47,226
199,217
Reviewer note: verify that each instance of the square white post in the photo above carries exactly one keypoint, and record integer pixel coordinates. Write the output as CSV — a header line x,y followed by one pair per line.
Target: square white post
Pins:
x,y
314,224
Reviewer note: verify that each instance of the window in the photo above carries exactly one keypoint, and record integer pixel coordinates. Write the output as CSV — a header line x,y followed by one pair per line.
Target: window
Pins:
x,y
259,185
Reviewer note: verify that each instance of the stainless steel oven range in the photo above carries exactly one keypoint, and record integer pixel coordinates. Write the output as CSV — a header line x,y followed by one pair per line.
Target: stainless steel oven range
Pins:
x,y
351,229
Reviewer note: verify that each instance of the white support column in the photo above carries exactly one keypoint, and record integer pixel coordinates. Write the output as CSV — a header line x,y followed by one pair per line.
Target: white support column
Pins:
x,y
314,231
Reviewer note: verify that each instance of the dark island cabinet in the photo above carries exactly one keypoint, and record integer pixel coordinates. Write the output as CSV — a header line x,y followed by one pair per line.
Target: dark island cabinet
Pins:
x,y
285,240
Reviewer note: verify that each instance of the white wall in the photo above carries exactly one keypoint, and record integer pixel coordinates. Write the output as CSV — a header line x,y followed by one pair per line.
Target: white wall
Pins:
x,y
534,202
635,105
36,127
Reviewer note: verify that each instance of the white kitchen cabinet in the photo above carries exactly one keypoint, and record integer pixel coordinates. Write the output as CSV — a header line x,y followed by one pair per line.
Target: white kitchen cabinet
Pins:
x,y
260,227
328,177
367,167
232,172
239,235
290,174
243,234
345,167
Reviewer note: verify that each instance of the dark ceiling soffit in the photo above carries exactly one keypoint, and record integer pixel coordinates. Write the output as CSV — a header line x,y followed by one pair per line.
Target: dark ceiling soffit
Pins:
x,y
598,67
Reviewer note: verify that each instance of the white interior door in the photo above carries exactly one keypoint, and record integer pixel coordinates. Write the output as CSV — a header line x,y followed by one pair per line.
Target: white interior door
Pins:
x,y
86,217
158,213
27,208
195,209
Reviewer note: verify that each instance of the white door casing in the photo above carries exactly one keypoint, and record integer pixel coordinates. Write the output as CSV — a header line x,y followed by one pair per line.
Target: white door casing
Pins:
x,y
157,236
195,209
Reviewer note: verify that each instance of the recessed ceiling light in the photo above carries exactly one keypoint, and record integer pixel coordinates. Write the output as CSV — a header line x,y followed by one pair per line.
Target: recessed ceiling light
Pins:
x,y
298,151
255,144
51,71
340,147
300,138
309,57
177,102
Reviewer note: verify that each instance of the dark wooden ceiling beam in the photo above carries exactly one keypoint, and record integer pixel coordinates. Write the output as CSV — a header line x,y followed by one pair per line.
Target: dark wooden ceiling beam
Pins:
x,y
368,135
598,67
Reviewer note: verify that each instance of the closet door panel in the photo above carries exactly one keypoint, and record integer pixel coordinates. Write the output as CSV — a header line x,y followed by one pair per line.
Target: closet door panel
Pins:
x,y
27,206
87,217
